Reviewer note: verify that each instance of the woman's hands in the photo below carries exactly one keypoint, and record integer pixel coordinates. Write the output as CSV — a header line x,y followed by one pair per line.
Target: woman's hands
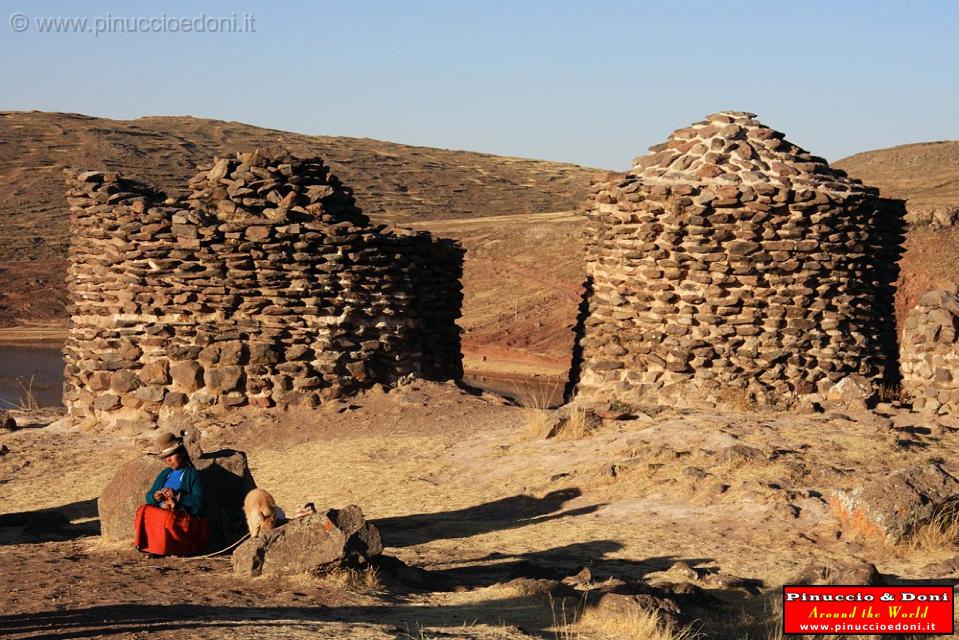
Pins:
x,y
165,497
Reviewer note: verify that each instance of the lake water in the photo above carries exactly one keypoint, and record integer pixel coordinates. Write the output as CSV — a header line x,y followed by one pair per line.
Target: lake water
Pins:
x,y
45,366
539,393
19,364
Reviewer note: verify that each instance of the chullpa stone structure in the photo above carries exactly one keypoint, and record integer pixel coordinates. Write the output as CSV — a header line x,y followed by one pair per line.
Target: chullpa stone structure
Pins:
x,y
929,354
267,287
731,264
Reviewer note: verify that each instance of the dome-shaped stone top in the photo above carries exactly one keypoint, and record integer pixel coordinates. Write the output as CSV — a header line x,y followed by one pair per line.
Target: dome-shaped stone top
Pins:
x,y
732,147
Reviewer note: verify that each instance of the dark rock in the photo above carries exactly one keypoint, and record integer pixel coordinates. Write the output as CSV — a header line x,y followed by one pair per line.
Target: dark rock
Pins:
x,y
157,372
732,583
856,572
7,422
945,569
739,453
363,539
223,379
584,577
311,544
106,402
687,593
538,586
893,506
124,381
188,375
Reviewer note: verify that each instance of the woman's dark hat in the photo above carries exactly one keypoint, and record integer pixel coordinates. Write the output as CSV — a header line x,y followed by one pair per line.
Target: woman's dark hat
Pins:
x,y
167,444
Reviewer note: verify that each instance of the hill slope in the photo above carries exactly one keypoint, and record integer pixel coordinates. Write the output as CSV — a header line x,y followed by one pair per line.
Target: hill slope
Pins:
x,y
926,173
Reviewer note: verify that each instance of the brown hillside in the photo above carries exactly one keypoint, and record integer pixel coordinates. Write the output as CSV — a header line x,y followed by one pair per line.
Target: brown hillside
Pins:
x,y
926,173
393,182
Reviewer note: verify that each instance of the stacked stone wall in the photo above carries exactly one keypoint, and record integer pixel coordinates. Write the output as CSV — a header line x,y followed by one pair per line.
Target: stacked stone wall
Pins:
x,y
731,262
930,353
266,287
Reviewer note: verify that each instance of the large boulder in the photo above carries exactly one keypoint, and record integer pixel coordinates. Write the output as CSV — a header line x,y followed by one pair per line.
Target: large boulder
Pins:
x,y
893,506
125,492
226,480
311,544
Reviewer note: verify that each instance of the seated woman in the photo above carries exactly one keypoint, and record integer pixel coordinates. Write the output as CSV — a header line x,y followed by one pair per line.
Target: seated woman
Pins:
x,y
171,523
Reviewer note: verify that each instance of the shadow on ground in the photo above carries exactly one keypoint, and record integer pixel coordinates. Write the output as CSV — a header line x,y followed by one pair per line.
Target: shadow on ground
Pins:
x,y
498,515
50,525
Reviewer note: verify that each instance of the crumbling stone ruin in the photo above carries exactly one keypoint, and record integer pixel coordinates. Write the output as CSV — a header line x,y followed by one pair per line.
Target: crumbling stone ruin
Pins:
x,y
730,261
267,286
930,353
934,217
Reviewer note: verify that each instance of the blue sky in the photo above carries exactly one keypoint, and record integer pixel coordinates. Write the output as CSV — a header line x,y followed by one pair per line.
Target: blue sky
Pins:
x,y
587,82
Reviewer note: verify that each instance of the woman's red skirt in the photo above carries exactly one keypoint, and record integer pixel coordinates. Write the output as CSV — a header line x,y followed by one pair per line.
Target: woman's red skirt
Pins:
x,y
169,533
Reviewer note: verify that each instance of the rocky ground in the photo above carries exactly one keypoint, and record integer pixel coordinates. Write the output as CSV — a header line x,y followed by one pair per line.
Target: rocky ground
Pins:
x,y
488,524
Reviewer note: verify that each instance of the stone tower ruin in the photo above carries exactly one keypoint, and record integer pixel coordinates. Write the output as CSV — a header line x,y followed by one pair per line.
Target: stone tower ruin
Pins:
x,y
266,286
728,262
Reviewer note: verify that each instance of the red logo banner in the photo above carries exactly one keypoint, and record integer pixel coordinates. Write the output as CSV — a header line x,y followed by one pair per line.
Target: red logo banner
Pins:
x,y
852,610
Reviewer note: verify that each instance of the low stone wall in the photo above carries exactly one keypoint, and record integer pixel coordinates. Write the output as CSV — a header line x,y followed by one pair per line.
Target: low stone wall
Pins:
x,y
267,287
933,217
930,353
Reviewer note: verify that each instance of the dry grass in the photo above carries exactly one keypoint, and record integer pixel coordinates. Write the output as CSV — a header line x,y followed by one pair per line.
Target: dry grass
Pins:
x,y
537,406
891,393
576,426
637,624
366,580
634,624
736,398
939,535
26,398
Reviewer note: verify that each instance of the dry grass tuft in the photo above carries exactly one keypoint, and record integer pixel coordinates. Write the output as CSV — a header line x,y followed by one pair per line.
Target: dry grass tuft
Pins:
x,y
576,426
634,624
736,398
366,580
537,404
637,624
26,398
891,393
939,535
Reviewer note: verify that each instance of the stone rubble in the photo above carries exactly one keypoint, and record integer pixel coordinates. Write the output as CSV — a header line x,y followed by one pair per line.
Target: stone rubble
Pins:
x,y
730,261
266,287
